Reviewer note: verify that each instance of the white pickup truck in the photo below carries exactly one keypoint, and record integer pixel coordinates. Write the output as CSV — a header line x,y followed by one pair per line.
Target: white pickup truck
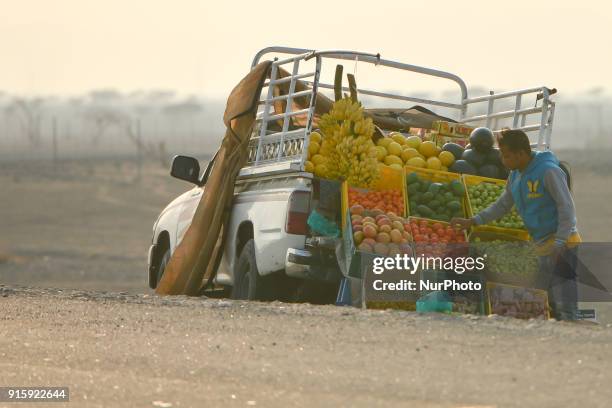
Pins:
x,y
269,238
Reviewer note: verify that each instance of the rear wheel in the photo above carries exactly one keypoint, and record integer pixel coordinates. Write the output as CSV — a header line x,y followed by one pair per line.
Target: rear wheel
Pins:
x,y
248,283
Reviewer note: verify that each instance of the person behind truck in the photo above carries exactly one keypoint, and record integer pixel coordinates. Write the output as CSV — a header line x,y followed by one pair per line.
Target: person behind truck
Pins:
x,y
538,188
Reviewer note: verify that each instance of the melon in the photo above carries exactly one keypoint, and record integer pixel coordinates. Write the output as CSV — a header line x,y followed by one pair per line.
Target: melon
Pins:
x,y
453,148
393,159
446,158
475,158
398,138
434,163
493,157
489,170
413,141
482,139
462,167
409,153
417,162
427,149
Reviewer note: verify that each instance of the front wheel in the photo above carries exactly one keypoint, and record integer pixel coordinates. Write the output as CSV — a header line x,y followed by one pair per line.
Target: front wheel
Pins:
x,y
162,265
248,283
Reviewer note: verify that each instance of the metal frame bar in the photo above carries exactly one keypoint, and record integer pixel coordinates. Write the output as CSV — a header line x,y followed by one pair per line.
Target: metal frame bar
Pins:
x,y
491,118
313,98
277,142
393,96
364,57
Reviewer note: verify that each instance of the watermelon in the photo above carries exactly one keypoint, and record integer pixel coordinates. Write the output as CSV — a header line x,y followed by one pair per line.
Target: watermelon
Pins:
x,y
462,167
454,148
482,139
473,157
489,170
493,157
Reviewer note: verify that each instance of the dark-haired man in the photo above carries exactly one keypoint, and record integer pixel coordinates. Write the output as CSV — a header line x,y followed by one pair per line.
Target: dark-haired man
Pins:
x,y
537,187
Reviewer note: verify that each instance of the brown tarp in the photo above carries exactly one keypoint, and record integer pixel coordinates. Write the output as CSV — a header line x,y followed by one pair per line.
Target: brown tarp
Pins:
x,y
198,254
388,119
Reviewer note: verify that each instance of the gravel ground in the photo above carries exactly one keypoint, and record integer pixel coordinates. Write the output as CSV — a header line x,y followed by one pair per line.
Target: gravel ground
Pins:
x,y
127,350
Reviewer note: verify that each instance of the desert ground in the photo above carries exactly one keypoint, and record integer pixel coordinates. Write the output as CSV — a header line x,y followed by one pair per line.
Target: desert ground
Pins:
x,y
128,350
76,310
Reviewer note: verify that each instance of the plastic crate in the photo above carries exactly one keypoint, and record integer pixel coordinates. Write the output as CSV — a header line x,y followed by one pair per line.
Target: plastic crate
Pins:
x,y
434,176
528,279
453,129
470,180
450,132
352,256
358,265
354,264
390,179
503,299
475,299
449,250
399,305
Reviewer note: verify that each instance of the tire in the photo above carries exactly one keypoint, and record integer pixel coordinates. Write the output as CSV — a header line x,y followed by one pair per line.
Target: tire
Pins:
x,y
248,283
162,266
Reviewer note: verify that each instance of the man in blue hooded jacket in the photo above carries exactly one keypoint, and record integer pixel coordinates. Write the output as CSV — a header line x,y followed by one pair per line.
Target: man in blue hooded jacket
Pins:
x,y
538,188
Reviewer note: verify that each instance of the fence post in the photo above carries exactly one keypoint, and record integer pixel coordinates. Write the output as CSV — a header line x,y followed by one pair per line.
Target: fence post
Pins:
x,y
54,136
139,145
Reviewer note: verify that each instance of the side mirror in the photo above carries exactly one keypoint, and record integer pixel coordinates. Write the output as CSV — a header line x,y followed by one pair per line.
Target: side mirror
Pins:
x,y
186,168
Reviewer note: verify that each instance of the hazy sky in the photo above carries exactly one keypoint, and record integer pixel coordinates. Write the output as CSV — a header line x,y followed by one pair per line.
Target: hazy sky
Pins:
x,y
203,47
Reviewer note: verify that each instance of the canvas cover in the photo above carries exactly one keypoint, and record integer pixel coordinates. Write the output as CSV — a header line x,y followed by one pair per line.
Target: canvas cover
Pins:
x,y
387,119
197,256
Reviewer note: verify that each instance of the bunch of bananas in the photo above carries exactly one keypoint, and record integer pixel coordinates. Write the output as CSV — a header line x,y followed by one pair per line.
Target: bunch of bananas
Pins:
x,y
346,150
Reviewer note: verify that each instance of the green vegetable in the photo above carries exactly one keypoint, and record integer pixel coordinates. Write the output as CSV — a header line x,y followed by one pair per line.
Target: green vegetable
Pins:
x,y
425,185
434,204
434,200
453,205
412,178
483,195
508,257
425,210
413,188
427,197
434,188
